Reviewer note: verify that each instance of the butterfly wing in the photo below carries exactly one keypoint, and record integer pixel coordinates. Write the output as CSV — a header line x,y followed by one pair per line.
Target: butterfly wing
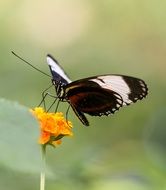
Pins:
x,y
57,72
103,95
129,88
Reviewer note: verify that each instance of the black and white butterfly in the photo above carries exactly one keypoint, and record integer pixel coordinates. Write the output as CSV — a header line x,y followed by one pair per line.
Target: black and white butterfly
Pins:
x,y
97,95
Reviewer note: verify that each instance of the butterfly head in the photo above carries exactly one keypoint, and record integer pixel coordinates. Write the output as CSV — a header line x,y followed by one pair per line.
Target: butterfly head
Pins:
x,y
59,87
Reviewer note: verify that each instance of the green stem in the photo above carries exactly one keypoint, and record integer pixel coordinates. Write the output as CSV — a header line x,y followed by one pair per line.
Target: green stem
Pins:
x,y
42,174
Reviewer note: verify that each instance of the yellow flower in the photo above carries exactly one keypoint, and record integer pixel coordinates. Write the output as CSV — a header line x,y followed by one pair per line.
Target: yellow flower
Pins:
x,y
53,126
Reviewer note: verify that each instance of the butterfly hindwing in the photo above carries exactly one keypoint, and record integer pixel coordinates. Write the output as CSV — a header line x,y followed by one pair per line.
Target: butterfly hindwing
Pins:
x,y
103,95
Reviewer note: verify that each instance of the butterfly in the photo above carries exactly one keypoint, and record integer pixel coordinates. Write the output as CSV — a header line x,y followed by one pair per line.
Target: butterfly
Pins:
x,y
97,95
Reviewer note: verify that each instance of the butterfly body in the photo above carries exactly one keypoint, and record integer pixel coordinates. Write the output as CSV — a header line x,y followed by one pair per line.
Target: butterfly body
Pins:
x,y
97,95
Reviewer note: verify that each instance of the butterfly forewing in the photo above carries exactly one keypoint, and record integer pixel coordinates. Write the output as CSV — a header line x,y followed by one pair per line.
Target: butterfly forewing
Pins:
x,y
130,89
57,72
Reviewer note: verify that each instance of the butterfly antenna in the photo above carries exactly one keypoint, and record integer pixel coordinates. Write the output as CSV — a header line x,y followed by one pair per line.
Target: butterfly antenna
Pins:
x,y
30,64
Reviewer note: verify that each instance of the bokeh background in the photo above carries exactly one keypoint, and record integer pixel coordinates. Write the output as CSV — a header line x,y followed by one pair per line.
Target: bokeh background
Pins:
x,y
120,152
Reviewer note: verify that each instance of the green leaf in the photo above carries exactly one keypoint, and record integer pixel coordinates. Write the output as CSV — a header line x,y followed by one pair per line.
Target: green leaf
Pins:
x,y
19,133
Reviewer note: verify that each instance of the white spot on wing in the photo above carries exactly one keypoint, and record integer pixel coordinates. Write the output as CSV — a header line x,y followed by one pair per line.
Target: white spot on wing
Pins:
x,y
119,101
56,68
116,84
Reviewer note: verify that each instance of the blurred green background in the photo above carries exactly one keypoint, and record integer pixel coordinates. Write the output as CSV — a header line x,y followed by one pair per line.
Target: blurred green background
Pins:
x,y
120,152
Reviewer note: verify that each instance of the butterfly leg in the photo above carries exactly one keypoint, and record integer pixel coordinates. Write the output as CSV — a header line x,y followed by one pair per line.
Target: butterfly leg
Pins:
x,y
44,95
67,111
52,102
